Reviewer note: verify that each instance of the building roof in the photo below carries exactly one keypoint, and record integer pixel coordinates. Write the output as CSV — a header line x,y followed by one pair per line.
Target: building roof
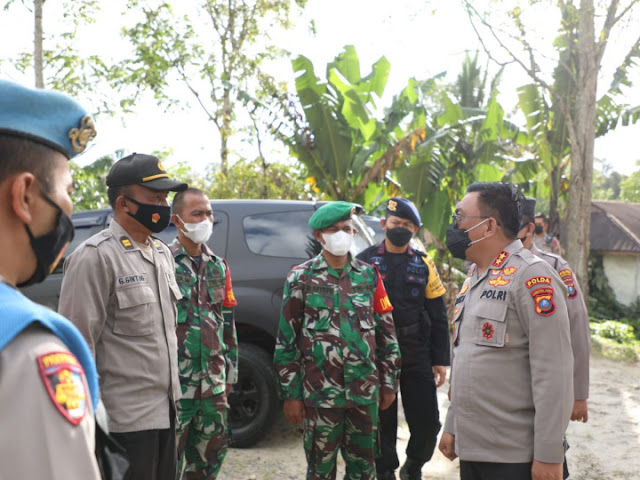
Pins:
x,y
615,227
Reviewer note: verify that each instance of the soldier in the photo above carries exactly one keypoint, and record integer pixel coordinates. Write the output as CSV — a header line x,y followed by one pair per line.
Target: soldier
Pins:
x,y
207,342
578,317
119,289
512,367
542,239
336,353
420,317
48,379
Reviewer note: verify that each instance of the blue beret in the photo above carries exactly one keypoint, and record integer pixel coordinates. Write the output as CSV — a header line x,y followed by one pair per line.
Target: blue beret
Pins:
x,y
44,116
331,213
403,208
529,207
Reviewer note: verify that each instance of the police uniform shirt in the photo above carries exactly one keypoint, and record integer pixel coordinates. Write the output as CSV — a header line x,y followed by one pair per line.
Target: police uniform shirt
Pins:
x,y
63,447
511,379
578,322
125,307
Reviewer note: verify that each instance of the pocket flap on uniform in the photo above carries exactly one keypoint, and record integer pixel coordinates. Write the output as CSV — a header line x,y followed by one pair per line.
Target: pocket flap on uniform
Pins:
x,y
133,296
496,311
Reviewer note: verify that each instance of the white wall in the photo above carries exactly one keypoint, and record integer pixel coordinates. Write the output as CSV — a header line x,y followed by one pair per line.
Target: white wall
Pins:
x,y
623,273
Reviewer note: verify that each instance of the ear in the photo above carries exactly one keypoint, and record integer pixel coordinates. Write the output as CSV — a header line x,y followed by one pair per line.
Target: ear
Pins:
x,y
122,204
492,227
317,234
175,219
383,223
23,196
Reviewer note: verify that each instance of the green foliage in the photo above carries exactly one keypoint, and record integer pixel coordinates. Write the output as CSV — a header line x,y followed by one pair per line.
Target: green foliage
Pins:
x,y
89,184
630,188
618,331
626,352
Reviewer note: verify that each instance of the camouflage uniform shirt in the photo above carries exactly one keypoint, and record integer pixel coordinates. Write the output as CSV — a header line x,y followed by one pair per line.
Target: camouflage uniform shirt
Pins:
x,y
207,342
336,343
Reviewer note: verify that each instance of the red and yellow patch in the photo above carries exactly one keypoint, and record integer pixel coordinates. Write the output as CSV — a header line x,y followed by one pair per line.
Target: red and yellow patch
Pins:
x,y
532,282
464,289
499,282
155,218
567,278
487,330
381,302
500,259
508,271
62,375
543,298
229,297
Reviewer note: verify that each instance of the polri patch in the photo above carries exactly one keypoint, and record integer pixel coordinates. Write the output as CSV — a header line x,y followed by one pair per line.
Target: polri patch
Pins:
x,y
543,298
500,259
62,375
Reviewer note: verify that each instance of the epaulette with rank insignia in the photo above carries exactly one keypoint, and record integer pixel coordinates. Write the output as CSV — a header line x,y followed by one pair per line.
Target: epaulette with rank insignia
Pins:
x,y
126,243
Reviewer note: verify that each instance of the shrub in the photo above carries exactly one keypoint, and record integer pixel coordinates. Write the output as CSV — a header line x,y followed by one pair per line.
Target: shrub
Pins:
x,y
617,331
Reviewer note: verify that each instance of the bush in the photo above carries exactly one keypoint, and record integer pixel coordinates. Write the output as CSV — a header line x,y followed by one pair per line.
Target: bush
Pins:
x,y
617,331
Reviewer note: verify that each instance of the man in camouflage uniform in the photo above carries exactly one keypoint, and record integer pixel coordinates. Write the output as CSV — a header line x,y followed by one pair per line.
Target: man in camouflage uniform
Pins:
x,y
336,354
207,343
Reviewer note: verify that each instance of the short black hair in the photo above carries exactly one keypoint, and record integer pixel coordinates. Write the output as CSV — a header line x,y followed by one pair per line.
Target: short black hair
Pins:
x,y
114,192
18,154
178,199
503,201
543,217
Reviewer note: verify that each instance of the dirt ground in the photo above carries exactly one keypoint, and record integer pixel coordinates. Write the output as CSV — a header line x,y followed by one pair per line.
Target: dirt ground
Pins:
x,y
604,448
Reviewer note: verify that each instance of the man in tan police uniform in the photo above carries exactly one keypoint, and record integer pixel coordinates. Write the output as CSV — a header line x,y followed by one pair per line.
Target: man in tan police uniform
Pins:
x,y
48,382
511,379
119,288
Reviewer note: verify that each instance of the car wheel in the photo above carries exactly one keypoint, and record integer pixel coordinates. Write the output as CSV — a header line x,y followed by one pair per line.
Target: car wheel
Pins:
x,y
253,400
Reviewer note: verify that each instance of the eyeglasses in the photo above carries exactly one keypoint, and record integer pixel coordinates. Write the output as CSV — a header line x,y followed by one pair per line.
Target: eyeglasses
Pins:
x,y
456,217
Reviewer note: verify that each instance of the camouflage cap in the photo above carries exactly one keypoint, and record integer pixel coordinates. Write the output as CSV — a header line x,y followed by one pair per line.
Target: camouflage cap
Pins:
x,y
331,213
46,117
529,207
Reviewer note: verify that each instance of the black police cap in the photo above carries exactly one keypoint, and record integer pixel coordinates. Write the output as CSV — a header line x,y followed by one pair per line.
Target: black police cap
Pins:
x,y
529,207
145,170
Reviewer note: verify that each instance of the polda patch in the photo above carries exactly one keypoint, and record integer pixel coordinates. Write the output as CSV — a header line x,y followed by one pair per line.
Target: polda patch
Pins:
x,y
537,281
543,299
62,375
567,277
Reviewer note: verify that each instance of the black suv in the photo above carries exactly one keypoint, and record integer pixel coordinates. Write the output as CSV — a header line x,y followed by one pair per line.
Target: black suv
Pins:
x,y
261,240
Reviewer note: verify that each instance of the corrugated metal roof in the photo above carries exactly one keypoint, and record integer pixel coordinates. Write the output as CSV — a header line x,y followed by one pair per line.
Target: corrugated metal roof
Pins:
x,y
615,226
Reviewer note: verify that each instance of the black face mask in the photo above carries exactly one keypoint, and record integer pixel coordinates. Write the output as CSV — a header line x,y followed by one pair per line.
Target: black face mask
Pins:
x,y
49,247
399,236
458,240
154,217
538,229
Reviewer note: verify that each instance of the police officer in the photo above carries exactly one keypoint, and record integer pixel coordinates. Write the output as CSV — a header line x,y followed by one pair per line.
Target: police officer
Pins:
x,y
207,340
48,380
419,314
578,316
119,288
512,367
336,353
542,239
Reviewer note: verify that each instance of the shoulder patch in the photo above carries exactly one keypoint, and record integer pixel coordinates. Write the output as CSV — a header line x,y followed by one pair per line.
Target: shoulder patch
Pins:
x,y
567,277
543,298
532,282
500,259
62,375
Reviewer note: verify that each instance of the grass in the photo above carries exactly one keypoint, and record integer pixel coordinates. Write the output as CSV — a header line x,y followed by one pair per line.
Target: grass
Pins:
x,y
608,348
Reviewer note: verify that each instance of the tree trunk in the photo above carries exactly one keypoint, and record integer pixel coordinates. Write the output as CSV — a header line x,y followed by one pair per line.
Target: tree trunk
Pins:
x,y
582,145
38,66
225,131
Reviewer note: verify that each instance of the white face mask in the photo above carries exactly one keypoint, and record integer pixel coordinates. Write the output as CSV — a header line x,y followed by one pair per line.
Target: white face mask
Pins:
x,y
338,243
197,232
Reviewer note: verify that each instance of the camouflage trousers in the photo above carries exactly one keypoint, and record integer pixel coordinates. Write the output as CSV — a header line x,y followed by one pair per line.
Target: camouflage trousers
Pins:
x,y
350,430
202,436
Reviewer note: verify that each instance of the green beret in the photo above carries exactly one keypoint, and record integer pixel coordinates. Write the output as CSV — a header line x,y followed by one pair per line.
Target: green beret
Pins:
x,y
331,213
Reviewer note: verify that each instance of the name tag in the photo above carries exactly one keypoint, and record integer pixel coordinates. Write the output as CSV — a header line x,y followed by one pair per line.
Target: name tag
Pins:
x,y
132,279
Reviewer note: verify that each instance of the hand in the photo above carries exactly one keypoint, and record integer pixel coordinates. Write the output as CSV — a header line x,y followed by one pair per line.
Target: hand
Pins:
x,y
448,446
439,375
386,399
227,390
580,411
546,471
294,411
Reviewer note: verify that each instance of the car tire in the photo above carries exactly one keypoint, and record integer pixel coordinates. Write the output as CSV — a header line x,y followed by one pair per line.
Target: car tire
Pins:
x,y
254,400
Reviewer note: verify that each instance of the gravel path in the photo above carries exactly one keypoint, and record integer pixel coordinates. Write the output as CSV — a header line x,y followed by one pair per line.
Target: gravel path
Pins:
x,y
604,448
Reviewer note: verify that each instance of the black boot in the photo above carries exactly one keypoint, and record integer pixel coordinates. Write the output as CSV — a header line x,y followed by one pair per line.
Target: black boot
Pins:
x,y
388,475
411,470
